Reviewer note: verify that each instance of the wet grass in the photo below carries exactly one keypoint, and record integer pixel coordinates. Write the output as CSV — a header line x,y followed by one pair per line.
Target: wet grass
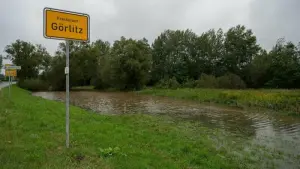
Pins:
x,y
82,88
285,101
33,136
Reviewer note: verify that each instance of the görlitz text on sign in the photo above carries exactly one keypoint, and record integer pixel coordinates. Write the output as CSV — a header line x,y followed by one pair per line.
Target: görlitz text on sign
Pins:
x,y
66,25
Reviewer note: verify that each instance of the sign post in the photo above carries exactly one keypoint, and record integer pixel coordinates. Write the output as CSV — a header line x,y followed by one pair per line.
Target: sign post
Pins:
x,y
66,25
67,95
11,71
9,86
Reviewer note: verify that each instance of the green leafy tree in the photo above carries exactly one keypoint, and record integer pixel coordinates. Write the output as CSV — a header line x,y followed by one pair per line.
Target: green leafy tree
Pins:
x,y
174,55
210,48
43,57
102,51
44,60
1,62
130,63
23,54
178,58
78,55
81,61
240,49
85,59
284,71
2,77
55,75
73,47
257,71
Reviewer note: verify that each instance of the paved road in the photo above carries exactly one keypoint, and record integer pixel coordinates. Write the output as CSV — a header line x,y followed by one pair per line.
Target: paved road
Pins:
x,y
4,84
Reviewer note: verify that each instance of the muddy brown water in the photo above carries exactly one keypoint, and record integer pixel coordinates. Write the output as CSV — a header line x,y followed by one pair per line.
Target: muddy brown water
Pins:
x,y
278,133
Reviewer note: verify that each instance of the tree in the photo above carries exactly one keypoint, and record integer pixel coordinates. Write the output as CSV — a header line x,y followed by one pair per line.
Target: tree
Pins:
x,y
81,63
55,76
73,47
176,58
174,55
43,57
284,71
23,54
2,77
240,49
102,51
210,46
44,60
1,61
257,70
130,63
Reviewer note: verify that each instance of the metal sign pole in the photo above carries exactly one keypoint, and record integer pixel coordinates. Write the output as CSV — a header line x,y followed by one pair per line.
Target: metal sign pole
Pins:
x,y
67,94
9,78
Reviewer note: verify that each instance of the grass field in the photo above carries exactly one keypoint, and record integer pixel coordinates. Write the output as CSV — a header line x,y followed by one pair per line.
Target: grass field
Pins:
x,y
33,136
286,101
83,88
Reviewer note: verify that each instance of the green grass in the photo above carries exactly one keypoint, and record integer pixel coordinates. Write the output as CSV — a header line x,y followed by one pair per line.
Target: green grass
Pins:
x,y
286,101
33,136
83,88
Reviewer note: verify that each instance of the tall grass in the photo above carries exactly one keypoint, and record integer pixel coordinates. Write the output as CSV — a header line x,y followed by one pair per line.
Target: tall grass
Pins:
x,y
287,101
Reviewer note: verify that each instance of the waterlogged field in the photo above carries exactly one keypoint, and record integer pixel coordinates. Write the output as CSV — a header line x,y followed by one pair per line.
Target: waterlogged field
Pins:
x,y
142,133
286,101
32,131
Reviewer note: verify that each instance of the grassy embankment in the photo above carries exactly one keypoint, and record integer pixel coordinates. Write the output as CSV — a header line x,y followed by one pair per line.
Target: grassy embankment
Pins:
x,y
33,136
285,101
80,88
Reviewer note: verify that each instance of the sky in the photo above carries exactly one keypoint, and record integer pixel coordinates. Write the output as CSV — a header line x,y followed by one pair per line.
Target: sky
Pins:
x,y
111,19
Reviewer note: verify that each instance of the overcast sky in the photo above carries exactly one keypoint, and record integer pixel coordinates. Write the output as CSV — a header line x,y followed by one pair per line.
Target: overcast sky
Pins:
x,y
110,19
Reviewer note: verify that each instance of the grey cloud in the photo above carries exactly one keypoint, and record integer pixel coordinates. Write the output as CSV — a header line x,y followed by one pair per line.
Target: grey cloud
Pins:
x,y
138,19
205,15
110,19
273,19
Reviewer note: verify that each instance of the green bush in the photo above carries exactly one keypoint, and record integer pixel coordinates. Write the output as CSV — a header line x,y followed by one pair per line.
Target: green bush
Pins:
x,y
228,81
168,84
2,77
231,81
189,83
33,85
207,81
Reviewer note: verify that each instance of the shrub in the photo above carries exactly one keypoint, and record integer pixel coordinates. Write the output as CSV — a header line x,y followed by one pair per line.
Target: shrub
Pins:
x,y
207,81
189,83
231,81
168,83
2,77
230,98
98,83
33,85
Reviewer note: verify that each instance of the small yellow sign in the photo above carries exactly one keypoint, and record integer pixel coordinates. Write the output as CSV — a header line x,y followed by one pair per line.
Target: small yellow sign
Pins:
x,y
10,72
60,24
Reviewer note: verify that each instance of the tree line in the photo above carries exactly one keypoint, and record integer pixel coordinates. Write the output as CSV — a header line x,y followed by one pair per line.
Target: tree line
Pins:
x,y
176,58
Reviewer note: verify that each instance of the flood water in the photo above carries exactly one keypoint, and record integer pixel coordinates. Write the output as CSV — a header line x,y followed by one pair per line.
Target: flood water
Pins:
x,y
277,133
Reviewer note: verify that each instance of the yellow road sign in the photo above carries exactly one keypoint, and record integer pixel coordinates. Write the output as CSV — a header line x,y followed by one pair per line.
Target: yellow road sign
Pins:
x,y
60,24
12,73
9,72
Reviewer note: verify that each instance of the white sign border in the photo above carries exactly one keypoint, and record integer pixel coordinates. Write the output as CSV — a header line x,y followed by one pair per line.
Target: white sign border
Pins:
x,y
12,67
